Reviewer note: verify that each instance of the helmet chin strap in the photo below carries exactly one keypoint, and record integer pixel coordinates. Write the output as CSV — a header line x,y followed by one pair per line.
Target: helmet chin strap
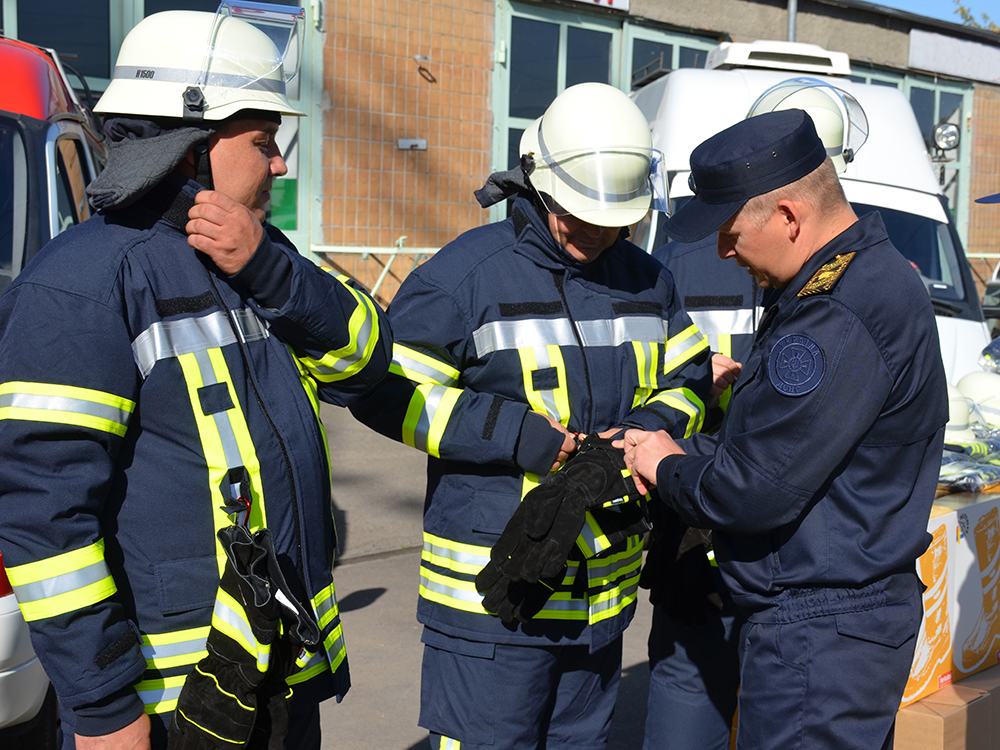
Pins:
x,y
203,166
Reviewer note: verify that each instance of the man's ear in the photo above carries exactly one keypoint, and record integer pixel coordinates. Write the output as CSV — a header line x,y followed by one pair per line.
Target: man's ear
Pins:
x,y
791,217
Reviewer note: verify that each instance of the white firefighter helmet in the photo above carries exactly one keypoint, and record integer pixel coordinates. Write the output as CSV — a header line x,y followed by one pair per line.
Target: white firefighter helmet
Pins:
x,y
839,119
591,156
207,66
957,430
982,389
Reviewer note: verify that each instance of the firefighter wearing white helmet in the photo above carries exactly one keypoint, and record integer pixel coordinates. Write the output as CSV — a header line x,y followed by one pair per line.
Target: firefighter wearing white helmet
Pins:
x,y
170,445
511,343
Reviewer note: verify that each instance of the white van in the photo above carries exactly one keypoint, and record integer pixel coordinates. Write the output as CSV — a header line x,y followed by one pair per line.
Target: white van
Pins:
x,y
891,173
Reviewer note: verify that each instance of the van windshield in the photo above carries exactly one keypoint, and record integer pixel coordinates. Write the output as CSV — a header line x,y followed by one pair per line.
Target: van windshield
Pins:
x,y
929,247
13,200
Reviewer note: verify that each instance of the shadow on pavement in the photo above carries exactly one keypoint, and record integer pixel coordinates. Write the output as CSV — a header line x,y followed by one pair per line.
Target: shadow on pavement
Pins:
x,y
360,599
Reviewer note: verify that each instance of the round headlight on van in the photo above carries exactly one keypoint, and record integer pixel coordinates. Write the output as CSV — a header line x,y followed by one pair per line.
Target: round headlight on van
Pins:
x,y
946,136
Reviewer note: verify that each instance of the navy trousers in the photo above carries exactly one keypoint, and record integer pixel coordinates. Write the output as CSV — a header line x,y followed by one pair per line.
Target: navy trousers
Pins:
x,y
826,683
694,678
489,696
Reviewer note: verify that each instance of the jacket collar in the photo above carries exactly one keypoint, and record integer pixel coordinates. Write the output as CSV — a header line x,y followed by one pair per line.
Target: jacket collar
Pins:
x,y
867,231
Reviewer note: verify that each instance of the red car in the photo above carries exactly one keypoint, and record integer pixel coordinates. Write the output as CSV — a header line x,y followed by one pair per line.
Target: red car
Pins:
x,y
51,147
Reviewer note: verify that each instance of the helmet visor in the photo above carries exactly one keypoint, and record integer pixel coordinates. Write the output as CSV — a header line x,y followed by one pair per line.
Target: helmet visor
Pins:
x,y
819,98
582,182
256,58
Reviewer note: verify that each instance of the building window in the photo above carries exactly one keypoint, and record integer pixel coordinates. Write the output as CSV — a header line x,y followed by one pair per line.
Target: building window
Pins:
x,y
82,34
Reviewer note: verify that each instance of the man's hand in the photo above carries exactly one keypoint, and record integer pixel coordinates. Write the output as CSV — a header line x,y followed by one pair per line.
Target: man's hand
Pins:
x,y
724,373
643,453
569,443
226,231
135,736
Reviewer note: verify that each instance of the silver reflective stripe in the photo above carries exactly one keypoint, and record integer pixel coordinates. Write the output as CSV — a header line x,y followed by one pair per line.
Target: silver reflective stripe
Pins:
x,y
450,591
62,584
641,188
548,396
324,607
611,569
196,78
565,605
715,322
464,558
159,694
233,619
682,345
431,373
192,647
343,363
222,419
615,601
65,403
423,426
648,376
171,338
502,335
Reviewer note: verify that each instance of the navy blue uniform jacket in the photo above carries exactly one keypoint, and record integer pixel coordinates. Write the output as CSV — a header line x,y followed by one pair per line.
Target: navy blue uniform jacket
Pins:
x,y
820,481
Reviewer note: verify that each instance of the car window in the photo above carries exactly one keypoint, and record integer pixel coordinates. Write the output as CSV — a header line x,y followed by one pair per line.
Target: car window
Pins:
x,y
928,245
71,183
13,201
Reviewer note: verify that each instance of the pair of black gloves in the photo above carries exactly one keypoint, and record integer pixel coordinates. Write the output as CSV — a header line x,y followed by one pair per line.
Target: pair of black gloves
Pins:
x,y
528,560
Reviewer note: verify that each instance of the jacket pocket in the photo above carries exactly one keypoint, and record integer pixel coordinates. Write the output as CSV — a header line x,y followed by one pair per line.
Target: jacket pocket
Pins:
x,y
186,584
492,511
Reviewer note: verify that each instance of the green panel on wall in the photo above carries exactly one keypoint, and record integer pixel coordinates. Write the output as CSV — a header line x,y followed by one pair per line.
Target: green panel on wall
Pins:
x,y
283,204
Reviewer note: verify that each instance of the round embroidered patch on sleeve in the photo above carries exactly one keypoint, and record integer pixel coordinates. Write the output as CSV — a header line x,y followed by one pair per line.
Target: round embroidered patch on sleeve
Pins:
x,y
796,365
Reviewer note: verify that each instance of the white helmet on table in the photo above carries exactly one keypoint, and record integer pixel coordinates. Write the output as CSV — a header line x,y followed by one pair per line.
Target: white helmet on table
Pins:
x,y
207,66
591,156
982,389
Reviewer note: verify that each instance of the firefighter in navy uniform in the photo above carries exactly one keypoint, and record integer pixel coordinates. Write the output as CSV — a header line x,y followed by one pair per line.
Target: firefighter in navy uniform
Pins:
x,y
512,338
819,483
161,367
694,639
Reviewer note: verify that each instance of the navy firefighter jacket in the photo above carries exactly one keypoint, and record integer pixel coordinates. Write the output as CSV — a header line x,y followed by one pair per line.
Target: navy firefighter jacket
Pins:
x,y
820,481
137,384
502,321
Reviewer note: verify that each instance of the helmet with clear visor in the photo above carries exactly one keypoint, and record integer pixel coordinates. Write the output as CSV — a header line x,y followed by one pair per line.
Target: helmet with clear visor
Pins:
x,y
591,156
208,66
839,119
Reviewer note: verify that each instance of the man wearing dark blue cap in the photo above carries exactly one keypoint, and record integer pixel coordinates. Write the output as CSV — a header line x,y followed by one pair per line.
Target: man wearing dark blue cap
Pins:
x,y
819,484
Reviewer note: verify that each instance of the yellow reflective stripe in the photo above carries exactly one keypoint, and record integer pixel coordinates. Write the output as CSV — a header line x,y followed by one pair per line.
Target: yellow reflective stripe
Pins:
x,y
159,696
225,440
592,540
427,417
710,554
363,330
684,400
461,558
297,678
683,347
647,357
177,649
640,397
325,608
607,604
229,618
447,743
421,368
62,583
551,401
65,405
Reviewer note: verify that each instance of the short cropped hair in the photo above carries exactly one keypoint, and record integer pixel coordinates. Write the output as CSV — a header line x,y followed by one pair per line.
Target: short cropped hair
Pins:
x,y
820,189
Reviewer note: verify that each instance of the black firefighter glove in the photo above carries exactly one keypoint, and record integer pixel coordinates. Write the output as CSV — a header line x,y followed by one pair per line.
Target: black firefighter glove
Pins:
x,y
258,629
528,559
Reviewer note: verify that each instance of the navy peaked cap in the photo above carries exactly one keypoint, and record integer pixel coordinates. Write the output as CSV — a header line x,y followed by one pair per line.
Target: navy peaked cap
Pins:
x,y
753,157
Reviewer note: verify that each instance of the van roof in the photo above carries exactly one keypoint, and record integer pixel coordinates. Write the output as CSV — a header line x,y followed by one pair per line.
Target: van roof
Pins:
x,y
690,105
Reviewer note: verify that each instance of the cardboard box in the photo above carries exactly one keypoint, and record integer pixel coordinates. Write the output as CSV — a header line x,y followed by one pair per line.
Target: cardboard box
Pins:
x,y
953,718
960,632
989,680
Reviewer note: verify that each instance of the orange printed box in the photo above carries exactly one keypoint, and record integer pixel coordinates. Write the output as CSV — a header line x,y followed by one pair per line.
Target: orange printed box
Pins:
x,y
960,632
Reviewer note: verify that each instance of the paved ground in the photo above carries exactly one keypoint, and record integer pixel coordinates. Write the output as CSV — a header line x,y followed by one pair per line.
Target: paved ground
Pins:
x,y
378,488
